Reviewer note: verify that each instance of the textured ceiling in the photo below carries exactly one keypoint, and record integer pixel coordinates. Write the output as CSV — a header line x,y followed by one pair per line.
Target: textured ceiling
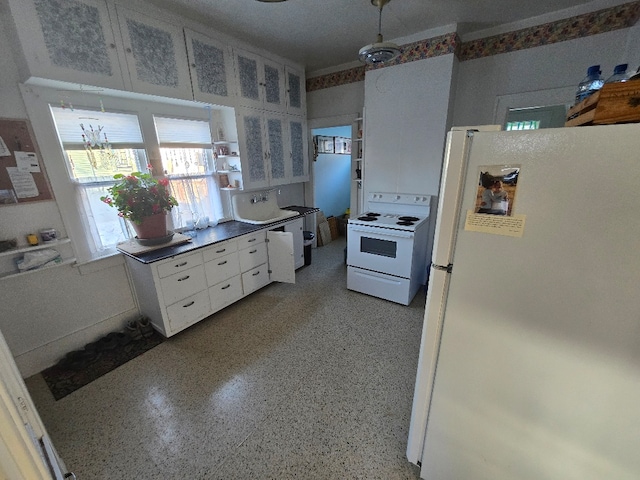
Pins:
x,y
325,33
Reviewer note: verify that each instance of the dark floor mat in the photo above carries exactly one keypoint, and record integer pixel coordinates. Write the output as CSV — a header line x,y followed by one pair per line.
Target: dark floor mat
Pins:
x,y
63,380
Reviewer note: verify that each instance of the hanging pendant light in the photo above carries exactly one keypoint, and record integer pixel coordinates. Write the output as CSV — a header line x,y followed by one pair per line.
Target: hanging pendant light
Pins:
x,y
379,52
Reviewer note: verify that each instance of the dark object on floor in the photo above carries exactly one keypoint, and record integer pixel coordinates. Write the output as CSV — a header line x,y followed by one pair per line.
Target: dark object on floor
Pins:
x,y
74,371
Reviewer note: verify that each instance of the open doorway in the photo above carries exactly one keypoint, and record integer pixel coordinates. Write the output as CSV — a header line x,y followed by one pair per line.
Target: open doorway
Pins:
x,y
332,174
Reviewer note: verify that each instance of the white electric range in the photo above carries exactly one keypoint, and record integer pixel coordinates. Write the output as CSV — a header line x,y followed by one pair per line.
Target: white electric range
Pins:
x,y
389,246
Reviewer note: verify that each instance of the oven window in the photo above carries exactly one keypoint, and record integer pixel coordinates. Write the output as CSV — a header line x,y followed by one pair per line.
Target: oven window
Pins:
x,y
375,246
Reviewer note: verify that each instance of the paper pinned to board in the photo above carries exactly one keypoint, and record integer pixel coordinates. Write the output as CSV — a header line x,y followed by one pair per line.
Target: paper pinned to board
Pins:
x,y
27,162
511,226
4,150
23,183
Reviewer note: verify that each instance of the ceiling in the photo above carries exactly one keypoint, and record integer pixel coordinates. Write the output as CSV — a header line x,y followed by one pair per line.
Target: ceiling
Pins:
x,y
325,33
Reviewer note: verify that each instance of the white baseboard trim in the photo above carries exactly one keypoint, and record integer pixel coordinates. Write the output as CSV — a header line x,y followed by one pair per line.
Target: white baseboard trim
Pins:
x,y
40,358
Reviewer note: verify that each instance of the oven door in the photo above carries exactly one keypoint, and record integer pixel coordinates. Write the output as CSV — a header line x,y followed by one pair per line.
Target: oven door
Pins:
x,y
380,249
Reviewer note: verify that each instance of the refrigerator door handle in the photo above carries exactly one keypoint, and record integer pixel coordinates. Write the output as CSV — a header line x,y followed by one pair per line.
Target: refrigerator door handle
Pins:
x,y
444,268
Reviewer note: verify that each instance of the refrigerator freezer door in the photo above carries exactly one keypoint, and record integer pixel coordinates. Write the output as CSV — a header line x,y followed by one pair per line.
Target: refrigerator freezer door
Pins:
x,y
429,347
538,374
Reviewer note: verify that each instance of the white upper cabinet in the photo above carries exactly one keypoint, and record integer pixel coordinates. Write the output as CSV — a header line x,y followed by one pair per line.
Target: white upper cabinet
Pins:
x,y
295,91
69,40
273,148
155,55
211,68
260,81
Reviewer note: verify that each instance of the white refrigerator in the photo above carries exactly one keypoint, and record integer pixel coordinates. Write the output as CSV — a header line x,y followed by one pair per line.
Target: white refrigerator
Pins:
x,y
529,365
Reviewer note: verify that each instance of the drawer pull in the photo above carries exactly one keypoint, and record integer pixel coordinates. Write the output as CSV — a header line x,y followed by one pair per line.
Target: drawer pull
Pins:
x,y
181,264
220,251
184,278
226,286
251,240
188,304
253,251
222,263
257,273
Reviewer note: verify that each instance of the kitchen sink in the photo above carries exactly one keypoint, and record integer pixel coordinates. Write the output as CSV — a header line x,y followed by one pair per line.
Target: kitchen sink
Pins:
x,y
259,208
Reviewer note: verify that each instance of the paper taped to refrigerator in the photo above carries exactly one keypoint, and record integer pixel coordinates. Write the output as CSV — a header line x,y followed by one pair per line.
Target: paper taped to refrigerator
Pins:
x,y
511,226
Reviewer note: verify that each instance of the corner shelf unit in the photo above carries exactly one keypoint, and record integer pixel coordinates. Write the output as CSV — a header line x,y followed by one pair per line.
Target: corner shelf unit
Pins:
x,y
15,252
357,165
228,167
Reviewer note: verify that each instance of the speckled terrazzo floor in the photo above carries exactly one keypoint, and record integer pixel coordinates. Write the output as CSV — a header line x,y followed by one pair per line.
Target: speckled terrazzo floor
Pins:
x,y
306,381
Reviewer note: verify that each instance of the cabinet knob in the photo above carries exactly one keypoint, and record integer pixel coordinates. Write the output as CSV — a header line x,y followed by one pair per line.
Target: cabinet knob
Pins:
x,y
128,50
193,65
112,45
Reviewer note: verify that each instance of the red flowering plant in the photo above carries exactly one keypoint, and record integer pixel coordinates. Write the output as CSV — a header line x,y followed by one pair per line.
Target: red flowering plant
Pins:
x,y
139,195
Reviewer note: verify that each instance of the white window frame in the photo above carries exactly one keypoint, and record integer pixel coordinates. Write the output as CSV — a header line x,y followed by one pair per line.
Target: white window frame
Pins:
x,y
37,99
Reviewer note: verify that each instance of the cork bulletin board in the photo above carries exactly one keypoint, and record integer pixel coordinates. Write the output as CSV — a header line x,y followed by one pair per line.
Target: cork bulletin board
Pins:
x,y
22,174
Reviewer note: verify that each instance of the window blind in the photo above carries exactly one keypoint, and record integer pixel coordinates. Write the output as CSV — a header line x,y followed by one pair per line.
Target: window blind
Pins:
x,y
119,127
178,130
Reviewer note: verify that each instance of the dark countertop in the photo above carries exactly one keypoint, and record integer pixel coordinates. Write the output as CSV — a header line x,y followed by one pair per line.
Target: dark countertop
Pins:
x,y
219,233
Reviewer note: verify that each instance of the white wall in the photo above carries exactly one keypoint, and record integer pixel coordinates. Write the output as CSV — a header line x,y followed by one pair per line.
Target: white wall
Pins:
x,y
406,118
331,102
548,74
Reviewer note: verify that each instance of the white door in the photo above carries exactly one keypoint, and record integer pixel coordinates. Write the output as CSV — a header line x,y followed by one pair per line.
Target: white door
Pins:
x,y
281,259
22,455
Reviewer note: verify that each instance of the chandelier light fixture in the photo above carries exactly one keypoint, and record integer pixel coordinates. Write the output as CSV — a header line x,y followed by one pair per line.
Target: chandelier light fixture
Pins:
x,y
380,51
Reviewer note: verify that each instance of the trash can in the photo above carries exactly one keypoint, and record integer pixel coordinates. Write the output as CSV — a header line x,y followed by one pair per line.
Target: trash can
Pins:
x,y
308,241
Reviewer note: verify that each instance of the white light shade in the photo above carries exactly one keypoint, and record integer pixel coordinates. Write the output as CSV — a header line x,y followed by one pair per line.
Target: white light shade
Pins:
x,y
379,52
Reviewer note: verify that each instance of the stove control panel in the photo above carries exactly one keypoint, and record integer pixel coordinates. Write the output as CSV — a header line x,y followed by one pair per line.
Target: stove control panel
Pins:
x,y
399,198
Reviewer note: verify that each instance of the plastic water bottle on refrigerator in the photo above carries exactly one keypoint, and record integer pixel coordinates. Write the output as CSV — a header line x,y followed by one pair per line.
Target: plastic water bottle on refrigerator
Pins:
x,y
619,74
590,84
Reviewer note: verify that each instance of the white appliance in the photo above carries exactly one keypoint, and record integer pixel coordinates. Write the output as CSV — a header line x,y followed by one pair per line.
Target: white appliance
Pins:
x,y
389,246
529,366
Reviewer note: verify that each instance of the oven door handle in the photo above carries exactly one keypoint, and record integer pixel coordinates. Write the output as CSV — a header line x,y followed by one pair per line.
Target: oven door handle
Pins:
x,y
383,232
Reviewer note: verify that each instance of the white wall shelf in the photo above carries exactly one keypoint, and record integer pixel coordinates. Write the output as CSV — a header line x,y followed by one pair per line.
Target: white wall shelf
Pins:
x,y
17,251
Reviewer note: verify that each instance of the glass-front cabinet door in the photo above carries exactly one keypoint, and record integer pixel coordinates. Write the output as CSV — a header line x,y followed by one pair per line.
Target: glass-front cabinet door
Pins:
x,y
70,41
273,85
295,91
278,166
155,55
211,68
253,152
298,153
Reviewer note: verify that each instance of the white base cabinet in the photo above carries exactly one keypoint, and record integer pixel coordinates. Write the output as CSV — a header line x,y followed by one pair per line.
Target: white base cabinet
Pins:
x,y
182,290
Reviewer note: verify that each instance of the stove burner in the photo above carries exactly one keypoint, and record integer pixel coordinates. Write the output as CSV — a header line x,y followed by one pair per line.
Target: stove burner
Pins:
x,y
372,214
406,224
408,219
368,218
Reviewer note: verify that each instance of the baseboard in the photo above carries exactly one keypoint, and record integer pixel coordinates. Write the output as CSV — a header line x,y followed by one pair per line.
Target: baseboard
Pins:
x,y
36,360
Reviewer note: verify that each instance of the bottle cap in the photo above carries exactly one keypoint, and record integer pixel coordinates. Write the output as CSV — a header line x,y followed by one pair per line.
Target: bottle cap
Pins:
x,y
620,68
593,70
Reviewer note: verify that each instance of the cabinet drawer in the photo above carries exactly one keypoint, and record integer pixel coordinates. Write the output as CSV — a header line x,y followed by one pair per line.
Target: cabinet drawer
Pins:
x,y
253,256
252,239
219,250
183,284
255,279
190,310
222,268
225,293
178,264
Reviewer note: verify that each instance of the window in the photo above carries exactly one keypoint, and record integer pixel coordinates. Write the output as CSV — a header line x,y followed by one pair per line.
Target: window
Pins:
x,y
97,145
533,118
187,160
